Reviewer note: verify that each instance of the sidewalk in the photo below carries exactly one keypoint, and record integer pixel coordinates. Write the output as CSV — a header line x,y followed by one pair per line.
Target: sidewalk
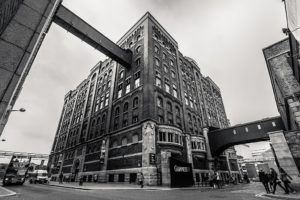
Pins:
x,y
119,186
5,192
283,196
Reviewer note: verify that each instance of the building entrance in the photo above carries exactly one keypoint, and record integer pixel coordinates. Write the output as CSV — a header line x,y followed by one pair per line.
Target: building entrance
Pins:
x,y
181,173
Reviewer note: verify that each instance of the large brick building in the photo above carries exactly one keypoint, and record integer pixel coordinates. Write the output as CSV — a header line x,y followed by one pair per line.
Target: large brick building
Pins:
x,y
121,121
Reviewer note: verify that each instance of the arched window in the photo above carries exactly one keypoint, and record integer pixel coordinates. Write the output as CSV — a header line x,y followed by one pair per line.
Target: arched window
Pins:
x,y
125,108
159,102
169,106
94,76
117,111
156,49
98,120
115,143
93,123
157,62
177,111
135,138
103,118
121,74
135,102
138,49
124,141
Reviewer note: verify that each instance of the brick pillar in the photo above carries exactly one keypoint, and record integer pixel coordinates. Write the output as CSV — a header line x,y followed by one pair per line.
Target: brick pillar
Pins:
x,y
210,159
149,146
283,154
165,168
189,149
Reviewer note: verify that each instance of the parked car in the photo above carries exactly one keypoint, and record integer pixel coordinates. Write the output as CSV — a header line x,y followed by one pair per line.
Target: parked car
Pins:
x,y
38,176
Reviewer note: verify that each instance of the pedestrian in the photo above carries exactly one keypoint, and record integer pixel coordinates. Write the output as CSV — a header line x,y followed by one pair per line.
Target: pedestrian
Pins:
x,y
61,176
246,178
80,180
263,177
141,179
269,181
218,179
275,181
285,178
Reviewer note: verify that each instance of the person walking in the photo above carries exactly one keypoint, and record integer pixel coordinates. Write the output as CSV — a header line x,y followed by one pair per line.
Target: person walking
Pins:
x,y
61,176
263,177
275,181
285,178
141,179
218,178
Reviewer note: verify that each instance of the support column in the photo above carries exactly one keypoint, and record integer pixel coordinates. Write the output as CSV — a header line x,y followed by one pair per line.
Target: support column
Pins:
x,y
189,149
165,168
149,170
210,159
103,158
284,155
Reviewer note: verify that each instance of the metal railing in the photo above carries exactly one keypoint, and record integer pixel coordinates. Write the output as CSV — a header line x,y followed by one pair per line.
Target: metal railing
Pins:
x,y
8,9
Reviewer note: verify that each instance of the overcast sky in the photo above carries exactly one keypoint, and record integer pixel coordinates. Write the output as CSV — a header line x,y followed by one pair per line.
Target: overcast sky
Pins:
x,y
225,37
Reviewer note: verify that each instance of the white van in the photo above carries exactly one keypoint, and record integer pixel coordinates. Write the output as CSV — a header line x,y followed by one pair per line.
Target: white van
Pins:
x,y
38,176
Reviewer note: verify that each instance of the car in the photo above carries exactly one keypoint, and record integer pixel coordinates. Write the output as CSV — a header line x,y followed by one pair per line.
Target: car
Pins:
x,y
38,176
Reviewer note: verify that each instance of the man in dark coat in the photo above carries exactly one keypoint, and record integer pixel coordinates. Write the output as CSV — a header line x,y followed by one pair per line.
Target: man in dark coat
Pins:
x,y
263,177
275,181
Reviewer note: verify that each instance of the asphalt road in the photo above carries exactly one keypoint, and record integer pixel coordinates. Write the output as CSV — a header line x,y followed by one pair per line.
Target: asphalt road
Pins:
x,y
41,192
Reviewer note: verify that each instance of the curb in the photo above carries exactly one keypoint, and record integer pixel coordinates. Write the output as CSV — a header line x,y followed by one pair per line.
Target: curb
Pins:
x,y
10,193
70,187
281,197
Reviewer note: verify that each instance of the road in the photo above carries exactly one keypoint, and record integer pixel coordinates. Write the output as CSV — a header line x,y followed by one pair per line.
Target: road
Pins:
x,y
41,192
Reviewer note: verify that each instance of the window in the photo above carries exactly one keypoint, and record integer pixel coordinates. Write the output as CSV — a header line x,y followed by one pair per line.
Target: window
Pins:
x,y
101,102
127,88
175,93
135,102
109,73
121,74
160,119
167,85
115,144
186,99
103,118
156,49
164,56
106,98
166,68
158,79
119,91
138,62
173,74
135,138
169,107
108,84
177,111
170,137
98,121
259,126
124,141
135,119
125,108
191,102
159,102
97,105
117,111
138,49
125,122
176,138
172,63
137,79
130,44
138,37
157,63
162,136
